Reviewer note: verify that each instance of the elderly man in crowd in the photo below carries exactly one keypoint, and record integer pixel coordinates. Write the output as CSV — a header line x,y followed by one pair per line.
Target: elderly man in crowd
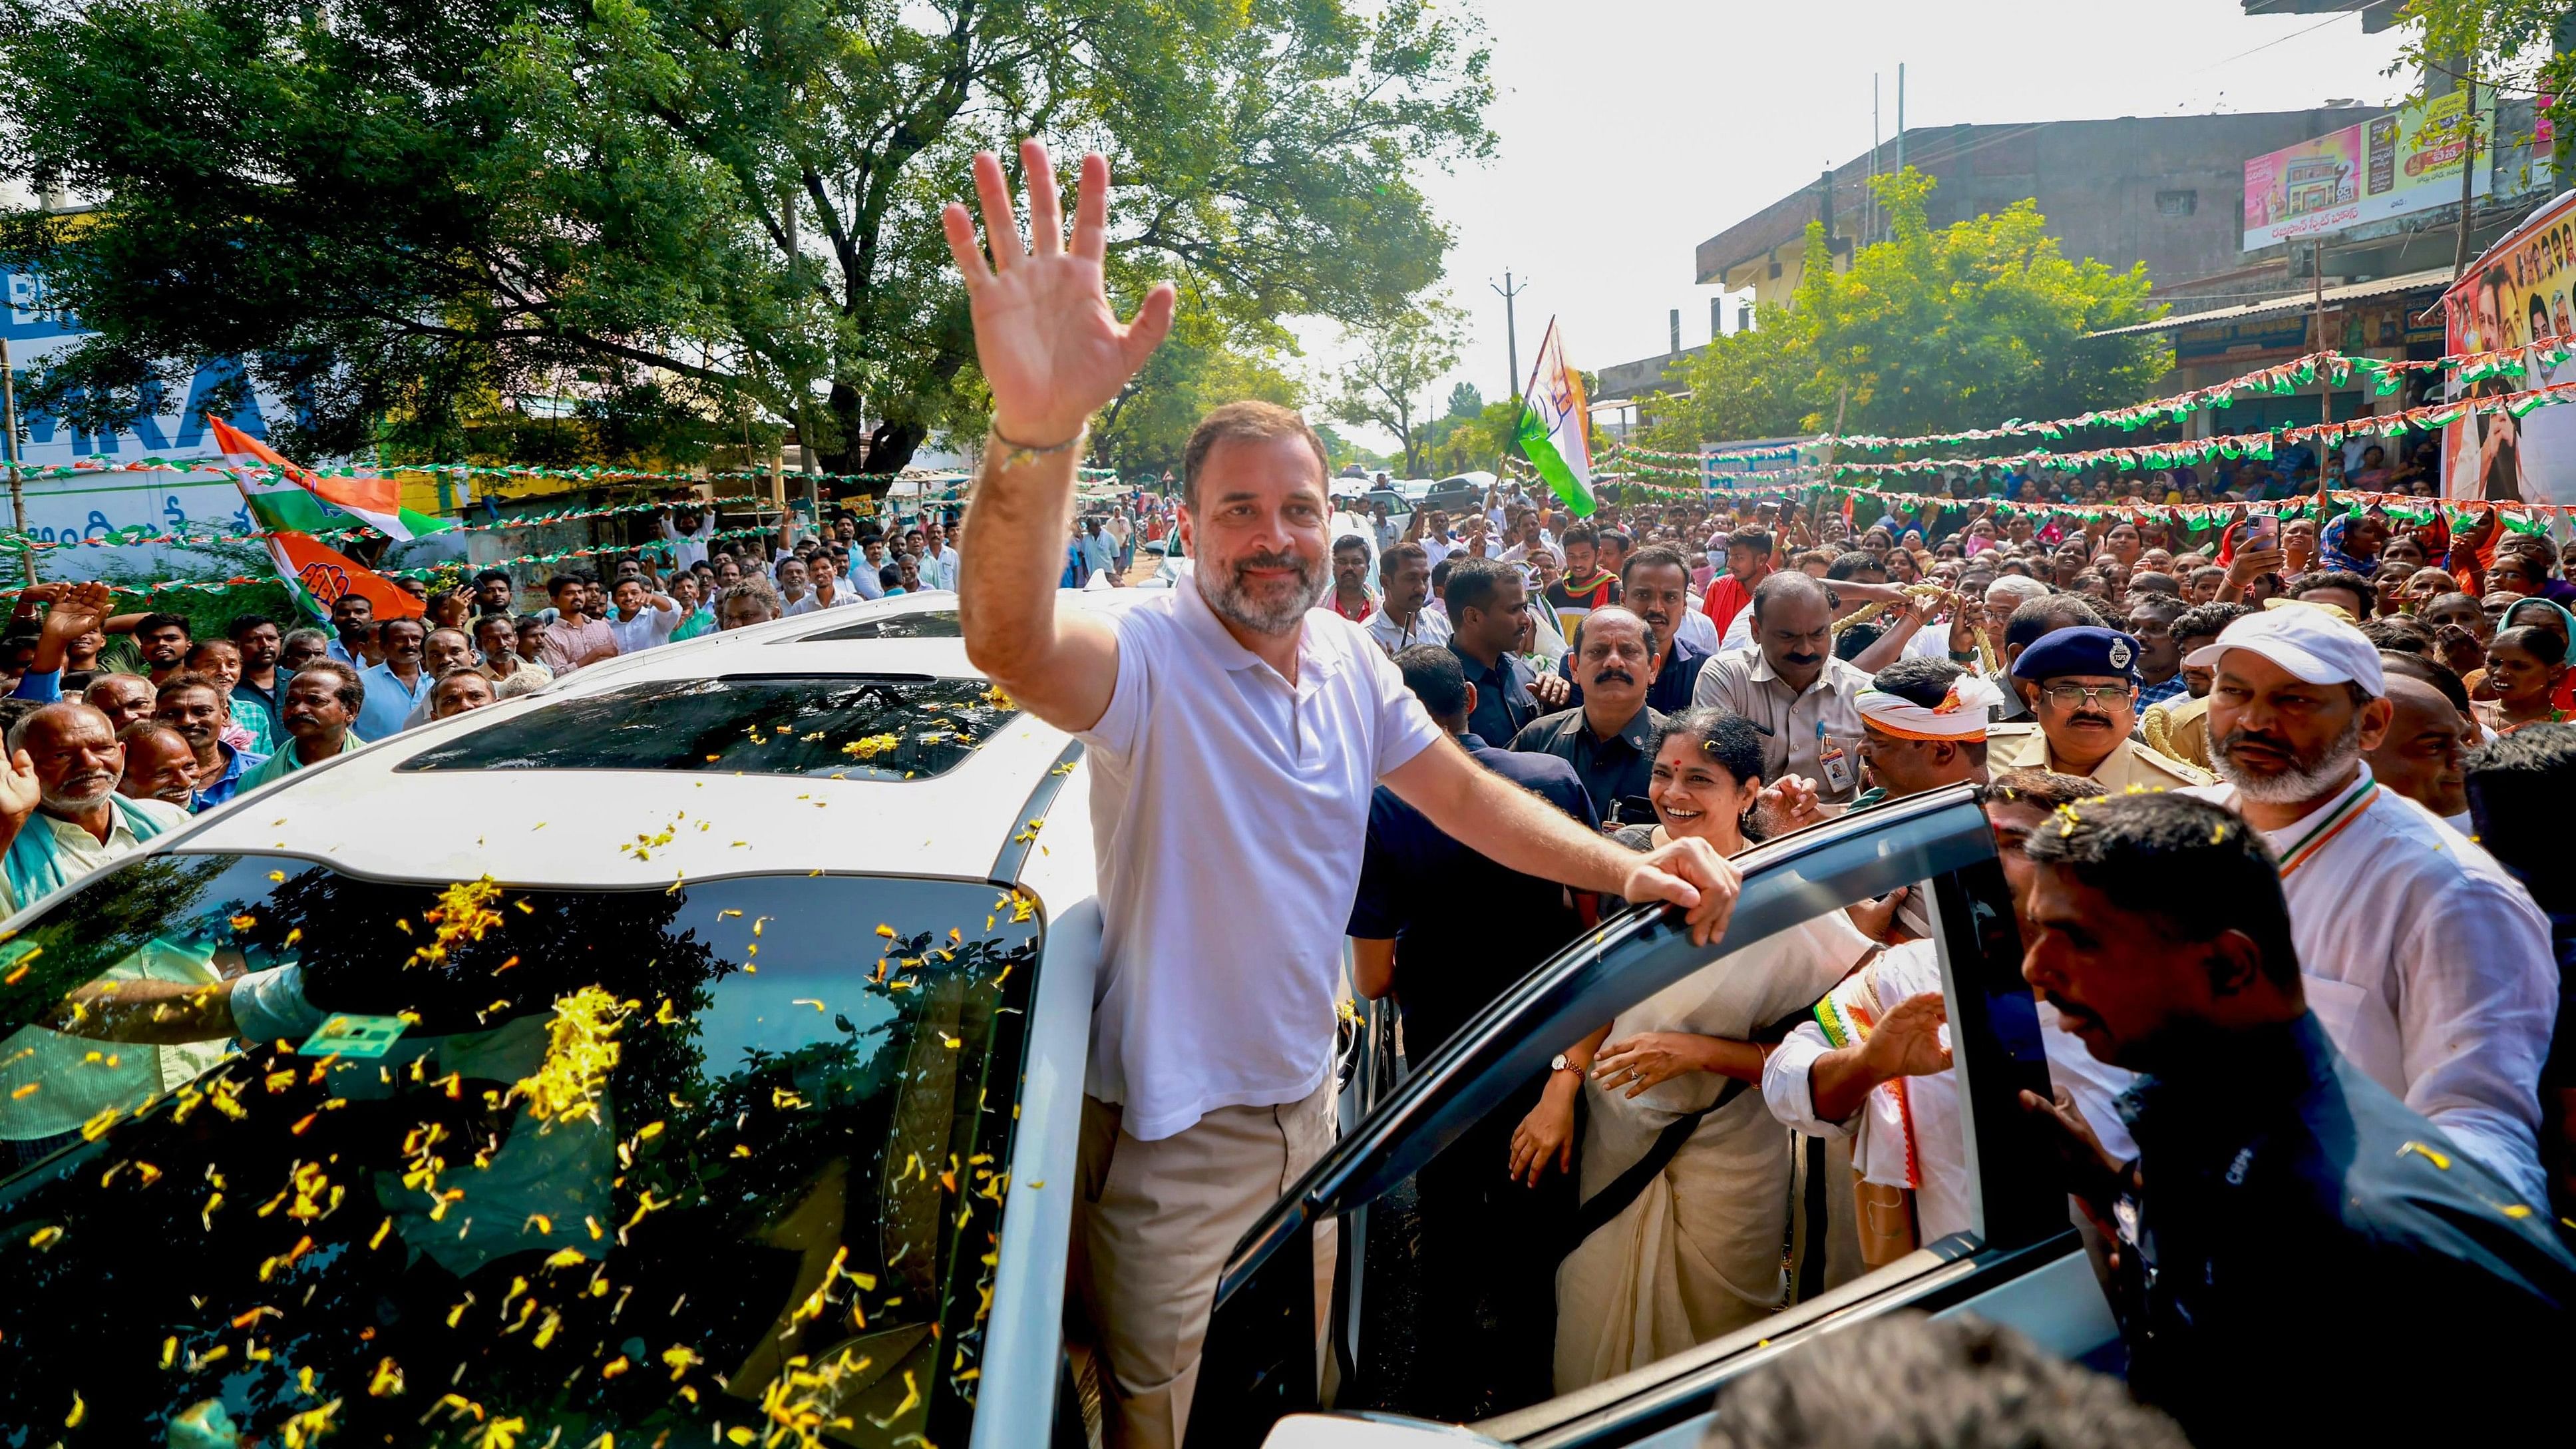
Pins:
x,y
2428,964
123,698
512,674
320,706
2083,685
459,690
60,812
159,764
397,684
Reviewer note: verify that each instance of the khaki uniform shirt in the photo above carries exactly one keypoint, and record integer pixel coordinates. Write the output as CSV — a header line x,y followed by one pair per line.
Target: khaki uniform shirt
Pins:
x,y
2024,747
2179,728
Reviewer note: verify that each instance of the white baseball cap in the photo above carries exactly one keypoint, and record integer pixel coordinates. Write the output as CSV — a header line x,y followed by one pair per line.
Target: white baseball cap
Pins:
x,y
2312,644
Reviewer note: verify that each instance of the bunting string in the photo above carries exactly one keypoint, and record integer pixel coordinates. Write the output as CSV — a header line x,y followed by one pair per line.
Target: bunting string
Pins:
x,y
457,567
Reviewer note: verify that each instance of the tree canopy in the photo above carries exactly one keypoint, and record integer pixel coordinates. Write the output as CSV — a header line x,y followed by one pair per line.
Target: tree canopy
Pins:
x,y
1394,362
695,219
1928,331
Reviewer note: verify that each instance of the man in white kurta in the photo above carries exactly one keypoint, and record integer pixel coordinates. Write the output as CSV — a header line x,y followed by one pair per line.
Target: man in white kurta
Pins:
x,y
2428,963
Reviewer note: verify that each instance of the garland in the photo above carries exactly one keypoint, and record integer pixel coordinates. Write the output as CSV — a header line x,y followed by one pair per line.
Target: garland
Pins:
x,y
591,473
131,537
2257,446
2282,380
431,571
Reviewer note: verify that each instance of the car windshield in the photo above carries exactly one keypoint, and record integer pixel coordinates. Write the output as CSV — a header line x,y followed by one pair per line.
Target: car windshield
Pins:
x,y
928,624
882,727
719,1163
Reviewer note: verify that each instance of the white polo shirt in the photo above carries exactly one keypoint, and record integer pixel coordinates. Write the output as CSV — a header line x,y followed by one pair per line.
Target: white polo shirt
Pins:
x,y
649,627
2430,968
1229,808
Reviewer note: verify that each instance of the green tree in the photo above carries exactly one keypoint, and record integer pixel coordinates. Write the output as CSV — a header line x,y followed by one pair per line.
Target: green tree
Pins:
x,y
2510,49
1929,331
1199,366
1465,401
1393,364
699,217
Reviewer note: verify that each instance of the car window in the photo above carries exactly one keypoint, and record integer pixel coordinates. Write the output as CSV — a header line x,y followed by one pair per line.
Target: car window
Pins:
x,y
1761,1203
927,624
722,1162
886,727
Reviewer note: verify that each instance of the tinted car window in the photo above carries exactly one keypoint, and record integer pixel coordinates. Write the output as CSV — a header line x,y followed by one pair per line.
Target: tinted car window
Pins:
x,y
885,727
658,1165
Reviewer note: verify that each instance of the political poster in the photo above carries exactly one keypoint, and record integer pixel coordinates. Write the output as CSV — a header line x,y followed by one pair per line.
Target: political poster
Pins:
x,y
2405,161
2519,297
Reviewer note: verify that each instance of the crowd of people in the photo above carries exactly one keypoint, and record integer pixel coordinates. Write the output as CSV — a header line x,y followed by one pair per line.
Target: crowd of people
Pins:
x,y
2278,806
2303,1030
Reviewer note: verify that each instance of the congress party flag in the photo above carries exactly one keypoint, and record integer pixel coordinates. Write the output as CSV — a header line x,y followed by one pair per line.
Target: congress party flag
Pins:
x,y
1552,429
293,498
316,576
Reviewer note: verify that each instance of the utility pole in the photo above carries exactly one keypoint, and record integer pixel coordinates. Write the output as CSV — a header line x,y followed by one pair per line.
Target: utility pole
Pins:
x,y
1869,203
2468,172
17,486
1900,115
2325,389
1511,331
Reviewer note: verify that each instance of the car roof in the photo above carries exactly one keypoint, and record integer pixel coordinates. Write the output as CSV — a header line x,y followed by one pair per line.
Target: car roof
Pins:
x,y
363,813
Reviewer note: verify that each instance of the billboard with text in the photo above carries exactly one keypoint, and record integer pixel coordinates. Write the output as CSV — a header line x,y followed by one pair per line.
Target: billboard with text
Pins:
x,y
2390,165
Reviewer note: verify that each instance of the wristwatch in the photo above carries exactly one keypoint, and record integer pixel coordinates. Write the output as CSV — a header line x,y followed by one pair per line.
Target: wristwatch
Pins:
x,y
1560,1064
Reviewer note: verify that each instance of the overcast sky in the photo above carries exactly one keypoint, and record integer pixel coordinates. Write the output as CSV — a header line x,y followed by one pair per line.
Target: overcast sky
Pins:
x,y
1647,126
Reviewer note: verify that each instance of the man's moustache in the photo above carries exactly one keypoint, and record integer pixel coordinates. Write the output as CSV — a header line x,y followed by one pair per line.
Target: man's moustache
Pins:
x,y
1609,676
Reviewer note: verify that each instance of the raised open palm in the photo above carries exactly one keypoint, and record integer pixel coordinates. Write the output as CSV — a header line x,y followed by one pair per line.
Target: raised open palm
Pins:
x,y
1050,348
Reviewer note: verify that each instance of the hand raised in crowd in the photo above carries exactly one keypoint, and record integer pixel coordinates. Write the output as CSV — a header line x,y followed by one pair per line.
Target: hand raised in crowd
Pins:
x,y
1689,873
1551,690
1050,348
1907,1041
20,792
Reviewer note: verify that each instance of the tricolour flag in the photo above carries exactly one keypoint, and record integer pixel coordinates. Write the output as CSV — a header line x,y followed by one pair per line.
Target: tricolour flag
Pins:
x,y
317,576
293,498
1552,426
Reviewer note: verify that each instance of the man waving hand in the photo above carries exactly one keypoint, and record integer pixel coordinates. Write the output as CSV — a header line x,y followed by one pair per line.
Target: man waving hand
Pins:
x,y
1230,699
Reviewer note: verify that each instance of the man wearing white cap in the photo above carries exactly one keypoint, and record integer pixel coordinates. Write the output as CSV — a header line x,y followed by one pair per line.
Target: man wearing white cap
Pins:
x,y
2426,962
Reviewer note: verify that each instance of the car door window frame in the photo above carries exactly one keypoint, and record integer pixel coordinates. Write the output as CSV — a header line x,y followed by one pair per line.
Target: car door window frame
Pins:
x,y
1253,1370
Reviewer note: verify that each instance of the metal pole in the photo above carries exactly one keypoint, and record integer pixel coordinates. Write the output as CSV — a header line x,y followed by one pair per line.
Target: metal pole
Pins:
x,y
2468,175
2325,389
1511,331
1869,205
1900,115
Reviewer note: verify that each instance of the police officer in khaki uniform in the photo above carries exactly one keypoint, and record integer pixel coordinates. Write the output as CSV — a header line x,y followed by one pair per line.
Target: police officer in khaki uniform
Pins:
x,y
2083,685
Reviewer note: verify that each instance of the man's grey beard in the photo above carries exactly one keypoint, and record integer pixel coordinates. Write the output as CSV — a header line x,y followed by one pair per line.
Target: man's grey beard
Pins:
x,y
1226,595
64,802
2305,780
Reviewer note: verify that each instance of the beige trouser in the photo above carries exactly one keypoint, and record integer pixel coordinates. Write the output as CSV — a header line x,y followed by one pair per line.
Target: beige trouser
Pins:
x,y
1151,1230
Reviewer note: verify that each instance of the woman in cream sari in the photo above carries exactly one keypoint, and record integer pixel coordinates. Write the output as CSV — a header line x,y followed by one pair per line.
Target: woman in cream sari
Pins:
x,y
1698,1253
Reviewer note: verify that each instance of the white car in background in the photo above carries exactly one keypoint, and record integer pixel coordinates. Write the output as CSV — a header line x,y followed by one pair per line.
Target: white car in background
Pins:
x,y
694,1050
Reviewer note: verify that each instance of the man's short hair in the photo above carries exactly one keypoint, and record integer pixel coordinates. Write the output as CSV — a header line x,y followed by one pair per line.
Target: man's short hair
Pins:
x,y
351,692
1652,556
1433,673
177,683
1962,1383
1852,564
1472,582
1396,557
1249,421
1582,533
488,575
561,582
2519,787
310,632
2344,579
1350,540
2157,582
241,625
751,586
2019,586
1756,539
2206,621
150,622
145,728
2044,616
1917,680
2044,788
1789,584
1616,537
2195,866
1440,575
382,625
2399,634
2170,606
2431,671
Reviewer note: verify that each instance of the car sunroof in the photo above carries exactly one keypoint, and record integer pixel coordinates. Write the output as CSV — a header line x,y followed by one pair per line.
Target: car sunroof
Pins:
x,y
860,727
931,624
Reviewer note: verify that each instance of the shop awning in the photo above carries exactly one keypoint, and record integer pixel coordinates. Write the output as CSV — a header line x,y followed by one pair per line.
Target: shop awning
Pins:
x,y
2432,279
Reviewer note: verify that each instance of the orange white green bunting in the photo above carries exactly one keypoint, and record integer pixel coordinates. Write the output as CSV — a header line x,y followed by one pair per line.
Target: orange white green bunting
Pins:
x,y
1552,431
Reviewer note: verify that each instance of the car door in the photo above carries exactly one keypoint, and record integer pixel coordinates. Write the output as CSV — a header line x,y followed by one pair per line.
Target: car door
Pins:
x,y
2013,1255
